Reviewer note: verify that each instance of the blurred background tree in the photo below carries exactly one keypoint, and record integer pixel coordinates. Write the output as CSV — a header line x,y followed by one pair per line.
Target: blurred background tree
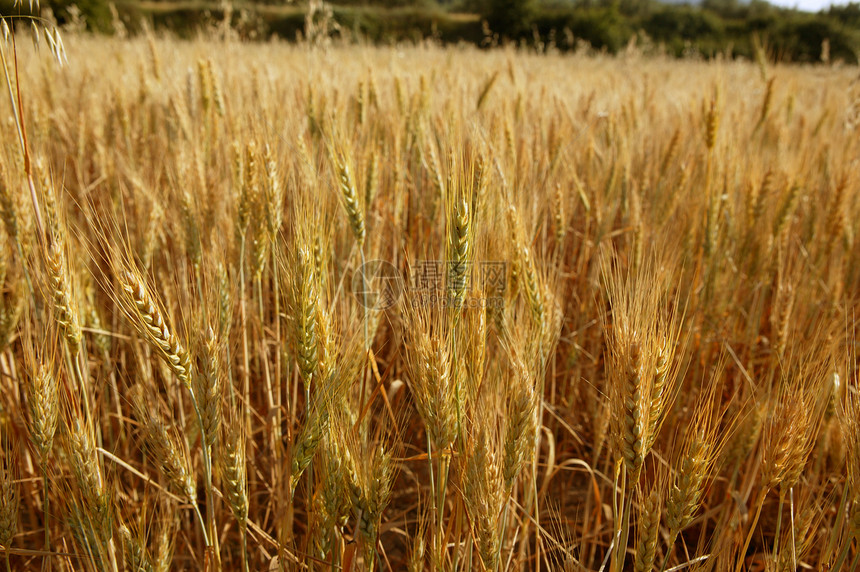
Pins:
x,y
509,18
679,27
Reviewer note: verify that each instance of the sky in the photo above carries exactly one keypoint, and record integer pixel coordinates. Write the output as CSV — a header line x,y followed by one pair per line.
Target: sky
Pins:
x,y
808,5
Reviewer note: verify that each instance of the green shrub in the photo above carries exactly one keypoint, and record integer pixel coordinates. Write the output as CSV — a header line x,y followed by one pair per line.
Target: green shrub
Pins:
x,y
685,23
510,18
382,25
96,13
604,27
801,39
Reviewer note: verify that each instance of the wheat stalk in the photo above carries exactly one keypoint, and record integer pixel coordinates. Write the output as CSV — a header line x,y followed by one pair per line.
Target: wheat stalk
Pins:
x,y
8,501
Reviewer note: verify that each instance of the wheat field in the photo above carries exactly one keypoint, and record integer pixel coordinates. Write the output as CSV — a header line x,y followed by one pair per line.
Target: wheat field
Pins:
x,y
319,307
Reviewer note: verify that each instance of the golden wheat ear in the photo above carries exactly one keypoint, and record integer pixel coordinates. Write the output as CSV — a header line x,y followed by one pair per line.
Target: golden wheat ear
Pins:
x,y
134,550
146,315
208,385
232,468
164,446
484,489
43,401
92,492
650,511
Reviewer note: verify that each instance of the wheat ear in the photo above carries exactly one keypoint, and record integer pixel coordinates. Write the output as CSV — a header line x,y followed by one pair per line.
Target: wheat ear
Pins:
x,y
484,495
148,318
65,310
80,446
136,556
459,247
350,199
306,311
521,425
43,405
370,491
231,466
648,527
208,384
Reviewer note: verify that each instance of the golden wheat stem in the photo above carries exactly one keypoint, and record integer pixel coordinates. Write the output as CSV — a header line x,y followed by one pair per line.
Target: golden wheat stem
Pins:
x,y
778,526
435,494
443,467
843,554
32,186
246,383
364,301
366,373
278,388
270,400
753,524
625,526
469,546
81,378
244,533
616,530
18,114
47,514
20,250
310,469
73,365
111,545
793,538
225,320
855,563
837,523
501,534
200,297
202,524
228,354
530,507
670,544
533,495
12,99
623,517
207,474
